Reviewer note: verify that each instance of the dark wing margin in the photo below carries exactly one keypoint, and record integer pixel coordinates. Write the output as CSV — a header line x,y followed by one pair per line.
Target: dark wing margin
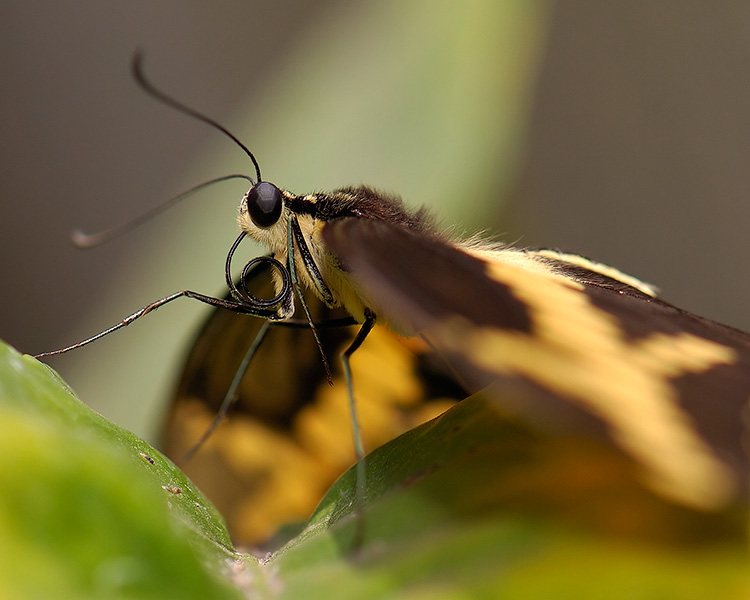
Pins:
x,y
420,280
670,388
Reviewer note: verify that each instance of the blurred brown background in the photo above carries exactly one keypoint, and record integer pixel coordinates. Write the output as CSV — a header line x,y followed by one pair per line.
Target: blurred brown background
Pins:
x,y
628,124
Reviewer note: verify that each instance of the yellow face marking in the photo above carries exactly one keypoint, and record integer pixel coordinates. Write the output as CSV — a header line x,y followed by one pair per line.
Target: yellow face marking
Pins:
x,y
580,352
346,291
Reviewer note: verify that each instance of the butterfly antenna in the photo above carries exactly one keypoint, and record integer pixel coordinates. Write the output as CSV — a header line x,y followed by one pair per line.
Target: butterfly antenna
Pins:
x,y
89,240
150,89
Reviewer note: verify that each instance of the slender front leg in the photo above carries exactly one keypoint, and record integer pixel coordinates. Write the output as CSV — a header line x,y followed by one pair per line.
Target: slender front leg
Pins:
x,y
356,343
359,449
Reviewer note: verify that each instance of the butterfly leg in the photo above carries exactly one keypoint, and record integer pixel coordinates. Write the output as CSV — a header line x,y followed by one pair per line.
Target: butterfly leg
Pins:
x,y
237,307
359,449
231,396
345,356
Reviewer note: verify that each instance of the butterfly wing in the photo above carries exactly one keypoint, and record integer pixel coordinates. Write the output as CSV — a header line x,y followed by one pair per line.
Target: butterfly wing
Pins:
x,y
669,388
288,437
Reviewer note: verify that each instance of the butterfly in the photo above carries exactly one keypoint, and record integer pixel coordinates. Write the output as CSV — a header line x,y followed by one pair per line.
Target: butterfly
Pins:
x,y
587,346
558,341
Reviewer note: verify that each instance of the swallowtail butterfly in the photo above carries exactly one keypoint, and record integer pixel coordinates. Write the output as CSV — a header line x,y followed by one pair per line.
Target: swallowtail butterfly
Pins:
x,y
586,347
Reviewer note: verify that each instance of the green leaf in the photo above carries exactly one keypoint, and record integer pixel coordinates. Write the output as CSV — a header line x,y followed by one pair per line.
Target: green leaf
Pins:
x,y
472,504
89,510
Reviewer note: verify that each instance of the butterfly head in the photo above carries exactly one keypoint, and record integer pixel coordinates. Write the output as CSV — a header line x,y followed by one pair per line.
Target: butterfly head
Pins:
x,y
263,204
287,225
264,216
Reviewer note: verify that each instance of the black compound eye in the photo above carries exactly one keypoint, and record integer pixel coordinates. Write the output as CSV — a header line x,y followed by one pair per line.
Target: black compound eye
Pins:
x,y
264,204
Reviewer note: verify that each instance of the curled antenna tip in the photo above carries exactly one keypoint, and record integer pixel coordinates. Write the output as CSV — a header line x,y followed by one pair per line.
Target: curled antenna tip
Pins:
x,y
136,64
81,239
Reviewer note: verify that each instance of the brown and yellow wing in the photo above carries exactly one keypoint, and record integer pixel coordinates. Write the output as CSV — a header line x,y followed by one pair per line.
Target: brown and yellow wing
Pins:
x,y
667,388
288,438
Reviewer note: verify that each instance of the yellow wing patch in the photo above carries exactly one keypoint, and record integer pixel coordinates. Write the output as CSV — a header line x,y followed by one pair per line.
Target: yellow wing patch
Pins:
x,y
262,477
580,352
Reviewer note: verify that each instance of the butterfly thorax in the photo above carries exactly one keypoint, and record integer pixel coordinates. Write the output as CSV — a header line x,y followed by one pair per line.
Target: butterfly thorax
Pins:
x,y
313,212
